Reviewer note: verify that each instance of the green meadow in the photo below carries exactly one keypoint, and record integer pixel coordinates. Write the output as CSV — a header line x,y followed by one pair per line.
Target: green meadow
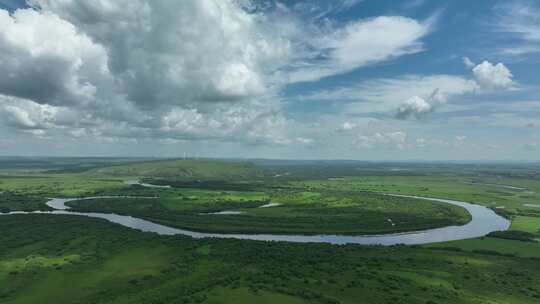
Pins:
x,y
72,259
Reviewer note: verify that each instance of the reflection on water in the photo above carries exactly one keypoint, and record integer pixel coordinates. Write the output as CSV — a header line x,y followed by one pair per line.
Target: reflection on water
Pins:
x,y
483,221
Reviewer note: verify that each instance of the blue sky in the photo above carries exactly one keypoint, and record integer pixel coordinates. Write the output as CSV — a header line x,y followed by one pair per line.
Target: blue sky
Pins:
x,y
347,79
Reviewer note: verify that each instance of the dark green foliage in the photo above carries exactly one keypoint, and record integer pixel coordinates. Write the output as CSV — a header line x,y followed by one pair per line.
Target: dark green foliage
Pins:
x,y
514,235
119,265
16,201
339,212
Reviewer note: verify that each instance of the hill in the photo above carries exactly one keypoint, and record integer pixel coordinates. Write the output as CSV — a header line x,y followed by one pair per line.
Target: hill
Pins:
x,y
184,170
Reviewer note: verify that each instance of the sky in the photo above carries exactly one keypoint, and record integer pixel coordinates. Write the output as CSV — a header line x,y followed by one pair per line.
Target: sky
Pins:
x,y
343,79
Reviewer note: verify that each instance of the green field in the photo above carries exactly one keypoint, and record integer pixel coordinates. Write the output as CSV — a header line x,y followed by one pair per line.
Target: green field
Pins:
x,y
299,212
70,259
67,259
527,223
183,170
453,186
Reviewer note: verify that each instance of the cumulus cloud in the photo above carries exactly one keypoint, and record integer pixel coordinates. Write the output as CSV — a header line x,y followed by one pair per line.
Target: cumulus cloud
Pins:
x,y
347,126
492,76
388,140
252,124
177,70
423,142
416,96
111,69
487,77
305,141
417,107
390,94
216,52
45,58
414,107
27,115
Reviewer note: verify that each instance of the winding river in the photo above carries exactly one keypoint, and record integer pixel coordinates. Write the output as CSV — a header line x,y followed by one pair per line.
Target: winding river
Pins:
x,y
484,221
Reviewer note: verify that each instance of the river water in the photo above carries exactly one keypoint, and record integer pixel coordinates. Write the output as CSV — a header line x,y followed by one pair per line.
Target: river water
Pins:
x,y
484,221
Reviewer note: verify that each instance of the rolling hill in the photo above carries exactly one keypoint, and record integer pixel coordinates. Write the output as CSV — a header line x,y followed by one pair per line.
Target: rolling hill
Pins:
x,y
184,170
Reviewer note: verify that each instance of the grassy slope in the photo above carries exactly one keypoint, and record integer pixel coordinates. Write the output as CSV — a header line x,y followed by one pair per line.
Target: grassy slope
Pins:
x,y
65,259
184,170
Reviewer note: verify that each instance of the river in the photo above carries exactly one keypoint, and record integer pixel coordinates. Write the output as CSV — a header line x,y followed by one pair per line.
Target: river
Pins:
x,y
484,221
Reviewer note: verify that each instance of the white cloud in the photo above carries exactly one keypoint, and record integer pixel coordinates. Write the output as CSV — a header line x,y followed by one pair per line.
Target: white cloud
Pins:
x,y
423,142
490,76
109,69
392,91
468,63
388,140
414,96
362,43
520,20
350,3
347,126
414,107
461,138
417,107
27,115
253,125
177,70
376,40
305,141
45,58
216,52
388,94
317,10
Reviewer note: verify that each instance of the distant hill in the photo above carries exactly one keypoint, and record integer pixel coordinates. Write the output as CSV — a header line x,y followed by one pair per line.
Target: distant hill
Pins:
x,y
184,169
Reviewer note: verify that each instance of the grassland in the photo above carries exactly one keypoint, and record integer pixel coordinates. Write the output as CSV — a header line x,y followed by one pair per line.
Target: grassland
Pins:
x,y
69,259
299,212
482,191
526,223
183,170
